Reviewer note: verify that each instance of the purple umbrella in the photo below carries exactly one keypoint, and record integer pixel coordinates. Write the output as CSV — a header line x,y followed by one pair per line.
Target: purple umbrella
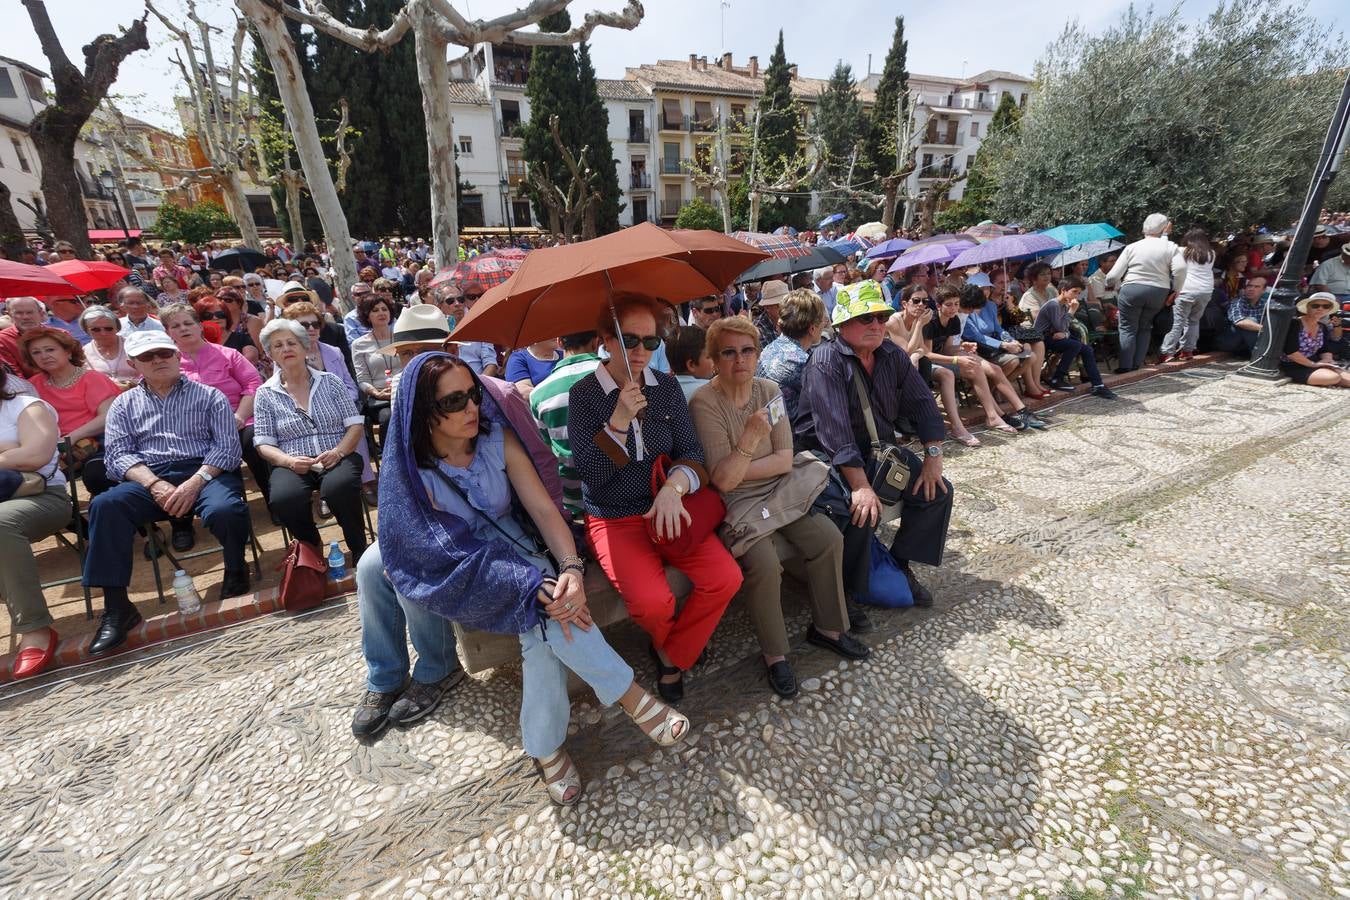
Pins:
x,y
889,249
926,254
1010,246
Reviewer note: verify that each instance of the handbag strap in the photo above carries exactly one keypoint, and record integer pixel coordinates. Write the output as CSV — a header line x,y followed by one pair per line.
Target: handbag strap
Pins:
x,y
866,404
450,483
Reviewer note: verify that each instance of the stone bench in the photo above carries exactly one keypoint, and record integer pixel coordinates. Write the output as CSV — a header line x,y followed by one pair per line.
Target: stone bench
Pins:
x,y
479,650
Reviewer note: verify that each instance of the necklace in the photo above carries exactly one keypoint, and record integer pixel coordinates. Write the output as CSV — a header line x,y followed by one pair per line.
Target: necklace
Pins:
x,y
79,371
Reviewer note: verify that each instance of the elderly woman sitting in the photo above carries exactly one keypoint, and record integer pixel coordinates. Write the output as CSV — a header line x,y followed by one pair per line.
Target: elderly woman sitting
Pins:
x,y
747,446
375,370
322,357
106,351
307,428
800,324
80,396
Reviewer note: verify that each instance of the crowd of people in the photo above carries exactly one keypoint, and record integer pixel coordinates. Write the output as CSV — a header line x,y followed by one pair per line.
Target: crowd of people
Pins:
x,y
730,438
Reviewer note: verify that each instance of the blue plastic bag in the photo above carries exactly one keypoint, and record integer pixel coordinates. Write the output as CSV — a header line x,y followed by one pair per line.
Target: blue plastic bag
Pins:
x,y
887,586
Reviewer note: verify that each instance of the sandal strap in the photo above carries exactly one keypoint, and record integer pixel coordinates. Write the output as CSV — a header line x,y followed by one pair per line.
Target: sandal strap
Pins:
x,y
555,767
663,732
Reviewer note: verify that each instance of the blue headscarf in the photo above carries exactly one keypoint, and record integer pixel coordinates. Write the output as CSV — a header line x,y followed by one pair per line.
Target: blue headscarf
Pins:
x,y
434,558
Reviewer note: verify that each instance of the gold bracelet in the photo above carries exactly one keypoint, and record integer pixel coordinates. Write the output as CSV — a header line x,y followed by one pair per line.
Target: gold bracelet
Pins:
x,y
745,453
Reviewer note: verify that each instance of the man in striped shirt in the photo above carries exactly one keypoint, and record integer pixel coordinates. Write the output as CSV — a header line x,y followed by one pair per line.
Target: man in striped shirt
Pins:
x,y
174,445
548,403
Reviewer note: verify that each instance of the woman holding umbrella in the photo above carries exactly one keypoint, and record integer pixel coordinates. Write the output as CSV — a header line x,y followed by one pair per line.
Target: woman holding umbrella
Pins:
x,y
621,418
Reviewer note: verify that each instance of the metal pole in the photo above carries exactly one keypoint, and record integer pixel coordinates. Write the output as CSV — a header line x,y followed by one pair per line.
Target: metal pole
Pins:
x,y
1280,307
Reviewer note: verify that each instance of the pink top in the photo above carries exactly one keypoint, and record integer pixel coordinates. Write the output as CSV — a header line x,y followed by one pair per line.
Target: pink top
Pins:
x,y
77,404
225,369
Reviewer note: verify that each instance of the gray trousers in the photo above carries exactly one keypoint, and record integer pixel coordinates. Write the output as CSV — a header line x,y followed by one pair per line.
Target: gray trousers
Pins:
x,y
820,547
22,522
1139,306
1186,313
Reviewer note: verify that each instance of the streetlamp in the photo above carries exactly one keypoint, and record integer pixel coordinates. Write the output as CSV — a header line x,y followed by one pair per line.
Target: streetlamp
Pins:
x,y
506,206
109,183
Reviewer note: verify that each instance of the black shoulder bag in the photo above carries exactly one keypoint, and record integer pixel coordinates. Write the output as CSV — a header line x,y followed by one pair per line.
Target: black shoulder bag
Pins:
x,y
887,468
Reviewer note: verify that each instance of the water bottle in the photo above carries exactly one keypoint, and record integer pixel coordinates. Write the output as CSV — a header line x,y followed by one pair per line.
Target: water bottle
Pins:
x,y
189,601
337,563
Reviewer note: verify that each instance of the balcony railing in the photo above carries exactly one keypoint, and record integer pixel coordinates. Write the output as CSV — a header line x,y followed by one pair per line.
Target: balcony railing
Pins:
x,y
702,124
637,135
671,208
512,128
937,171
639,180
945,137
515,177
674,123
674,166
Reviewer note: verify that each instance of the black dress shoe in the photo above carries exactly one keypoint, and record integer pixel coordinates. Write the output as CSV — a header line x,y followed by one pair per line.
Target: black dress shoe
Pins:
x,y
781,679
372,716
113,628
236,584
846,645
921,594
858,620
184,538
670,691
420,700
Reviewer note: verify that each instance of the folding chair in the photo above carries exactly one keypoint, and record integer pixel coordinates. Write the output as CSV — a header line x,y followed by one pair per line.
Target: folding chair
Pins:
x,y
157,547
76,526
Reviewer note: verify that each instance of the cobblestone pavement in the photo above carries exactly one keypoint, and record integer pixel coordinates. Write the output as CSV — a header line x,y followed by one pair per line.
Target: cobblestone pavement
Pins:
x,y
1134,684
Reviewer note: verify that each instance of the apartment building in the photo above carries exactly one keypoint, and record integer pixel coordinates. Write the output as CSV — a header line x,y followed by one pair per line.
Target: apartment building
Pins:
x,y
22,96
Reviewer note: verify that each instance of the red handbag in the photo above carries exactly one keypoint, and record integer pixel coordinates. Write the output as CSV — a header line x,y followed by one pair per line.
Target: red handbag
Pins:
x,y
705,507
304,578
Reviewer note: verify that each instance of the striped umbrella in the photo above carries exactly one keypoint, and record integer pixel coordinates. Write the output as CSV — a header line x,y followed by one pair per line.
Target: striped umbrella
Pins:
x,y
987,231
779,245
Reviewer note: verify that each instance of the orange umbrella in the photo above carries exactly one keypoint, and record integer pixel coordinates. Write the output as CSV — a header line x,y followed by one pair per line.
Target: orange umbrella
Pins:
x,y
560,290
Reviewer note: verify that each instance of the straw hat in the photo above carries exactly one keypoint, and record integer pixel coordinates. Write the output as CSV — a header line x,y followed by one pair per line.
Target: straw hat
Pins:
x,y
1323,296
773,293
291,289
421,325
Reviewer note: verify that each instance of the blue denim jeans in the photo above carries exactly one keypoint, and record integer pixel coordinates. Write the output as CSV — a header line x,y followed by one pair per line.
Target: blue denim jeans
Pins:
x,y
546,656
387,623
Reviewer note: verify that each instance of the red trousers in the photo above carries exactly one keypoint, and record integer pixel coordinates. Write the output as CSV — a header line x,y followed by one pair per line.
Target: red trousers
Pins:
x,y
636,568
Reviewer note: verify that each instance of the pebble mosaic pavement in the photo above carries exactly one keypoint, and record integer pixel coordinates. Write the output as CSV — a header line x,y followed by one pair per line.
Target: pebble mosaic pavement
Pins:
x,y
1135,683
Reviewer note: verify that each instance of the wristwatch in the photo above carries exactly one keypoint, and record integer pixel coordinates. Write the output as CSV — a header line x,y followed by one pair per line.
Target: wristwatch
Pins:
x,y
205,476
933,450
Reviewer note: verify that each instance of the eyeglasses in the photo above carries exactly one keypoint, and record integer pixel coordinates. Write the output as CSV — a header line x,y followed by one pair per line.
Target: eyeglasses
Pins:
x,y
730,353
104,330
870,318
455,401
220,314
309,323
711,311
153,355
1323,306
649,343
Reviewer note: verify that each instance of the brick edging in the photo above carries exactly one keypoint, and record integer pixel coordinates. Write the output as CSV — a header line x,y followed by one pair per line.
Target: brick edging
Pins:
x,y
172,625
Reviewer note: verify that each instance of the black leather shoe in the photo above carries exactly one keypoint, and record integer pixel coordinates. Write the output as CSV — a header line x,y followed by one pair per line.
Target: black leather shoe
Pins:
x,y
1058,384
922,596
781,679
1017,420
858,620
184,538
1104,392
113,629
372,716
236,584
420,700
846,645
673,691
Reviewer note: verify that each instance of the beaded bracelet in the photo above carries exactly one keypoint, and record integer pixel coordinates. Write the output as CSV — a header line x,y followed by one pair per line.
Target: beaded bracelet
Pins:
x,y
747,454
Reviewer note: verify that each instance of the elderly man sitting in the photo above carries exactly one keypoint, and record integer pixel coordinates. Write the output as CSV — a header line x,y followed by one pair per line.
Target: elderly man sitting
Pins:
x,y
175,446
26,313
859,366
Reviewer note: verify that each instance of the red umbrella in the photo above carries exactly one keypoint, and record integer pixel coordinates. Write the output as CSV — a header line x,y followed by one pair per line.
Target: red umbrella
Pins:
x,y
485,270
22,280
560,290
779,245
89,275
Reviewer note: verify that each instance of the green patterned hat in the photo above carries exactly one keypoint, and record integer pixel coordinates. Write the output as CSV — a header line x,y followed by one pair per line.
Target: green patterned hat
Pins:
x,y
859,299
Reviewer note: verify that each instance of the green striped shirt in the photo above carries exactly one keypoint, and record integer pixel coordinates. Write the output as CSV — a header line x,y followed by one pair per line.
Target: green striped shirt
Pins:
x,y
548,403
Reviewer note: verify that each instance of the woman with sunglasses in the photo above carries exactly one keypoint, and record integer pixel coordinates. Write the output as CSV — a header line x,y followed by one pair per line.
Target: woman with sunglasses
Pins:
x,y
1305,359
243,328
467,526
323,357
227,371
910,329
621,418
750,460
106,351
308,430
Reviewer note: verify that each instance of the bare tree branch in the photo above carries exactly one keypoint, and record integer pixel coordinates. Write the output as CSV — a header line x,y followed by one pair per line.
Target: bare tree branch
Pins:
x,y
317,16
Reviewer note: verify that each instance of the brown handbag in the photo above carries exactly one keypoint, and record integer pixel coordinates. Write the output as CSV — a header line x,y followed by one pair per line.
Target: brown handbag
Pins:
x,y
304,578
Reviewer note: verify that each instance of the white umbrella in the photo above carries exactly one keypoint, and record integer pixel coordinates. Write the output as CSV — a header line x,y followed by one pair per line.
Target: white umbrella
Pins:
x,y
1084,251
273,287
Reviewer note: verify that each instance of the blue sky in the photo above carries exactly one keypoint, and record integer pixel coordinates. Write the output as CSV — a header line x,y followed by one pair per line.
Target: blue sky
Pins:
x,y
944,39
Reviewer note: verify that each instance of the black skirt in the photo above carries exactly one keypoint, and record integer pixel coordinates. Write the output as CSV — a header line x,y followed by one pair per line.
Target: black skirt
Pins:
x,y
1295,372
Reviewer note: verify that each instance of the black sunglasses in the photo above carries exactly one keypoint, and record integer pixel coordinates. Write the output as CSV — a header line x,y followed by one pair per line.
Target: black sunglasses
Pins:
x,y
455,401
221,314
869,318
711,310
150,355
309,323
649,343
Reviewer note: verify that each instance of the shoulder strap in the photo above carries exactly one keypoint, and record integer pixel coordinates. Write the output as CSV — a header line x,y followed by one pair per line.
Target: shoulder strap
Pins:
x,y
450,483
866,404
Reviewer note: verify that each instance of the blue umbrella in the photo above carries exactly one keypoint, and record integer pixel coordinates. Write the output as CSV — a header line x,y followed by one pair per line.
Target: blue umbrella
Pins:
x,y
846,246
369,246
1073,235
830,220
1010,246
1084,251
785,229
889,249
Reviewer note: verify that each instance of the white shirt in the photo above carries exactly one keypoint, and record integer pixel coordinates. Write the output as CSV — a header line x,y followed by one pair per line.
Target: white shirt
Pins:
x,y
1199,277
1154,261
10,410
1334,275
150,323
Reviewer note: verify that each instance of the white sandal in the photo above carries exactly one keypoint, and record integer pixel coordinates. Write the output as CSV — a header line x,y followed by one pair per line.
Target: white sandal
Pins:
x,y
669,731
560,777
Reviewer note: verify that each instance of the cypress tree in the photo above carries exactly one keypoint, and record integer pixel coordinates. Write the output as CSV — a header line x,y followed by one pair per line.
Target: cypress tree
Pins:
x,y
842,126
398,108
778,139
552,90
892,89
595,136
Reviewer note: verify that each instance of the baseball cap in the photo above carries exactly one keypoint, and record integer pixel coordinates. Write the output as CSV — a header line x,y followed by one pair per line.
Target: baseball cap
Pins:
x,y
980,279
144,341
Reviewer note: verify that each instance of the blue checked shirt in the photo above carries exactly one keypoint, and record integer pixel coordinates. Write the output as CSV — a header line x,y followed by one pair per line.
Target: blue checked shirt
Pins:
x,y
193,422
1240,309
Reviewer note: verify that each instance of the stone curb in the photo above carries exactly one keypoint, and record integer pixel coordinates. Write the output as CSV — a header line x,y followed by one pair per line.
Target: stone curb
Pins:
x,y
172,625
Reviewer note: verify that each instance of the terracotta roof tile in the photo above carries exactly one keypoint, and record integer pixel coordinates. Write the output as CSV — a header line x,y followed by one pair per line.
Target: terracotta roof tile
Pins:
x,y
672,74
467,92
621,89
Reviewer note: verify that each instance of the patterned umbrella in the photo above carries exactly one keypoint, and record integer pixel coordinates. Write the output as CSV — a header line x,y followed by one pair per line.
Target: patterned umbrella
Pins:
x,y
1073,235
873,231
889,249
924,254
846,245
486,270
987,231
1010,246
1083,251
779,245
